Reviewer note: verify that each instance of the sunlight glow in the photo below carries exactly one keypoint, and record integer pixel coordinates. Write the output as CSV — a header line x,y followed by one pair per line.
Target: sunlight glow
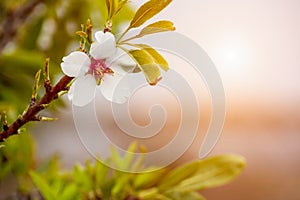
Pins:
x,y
232,55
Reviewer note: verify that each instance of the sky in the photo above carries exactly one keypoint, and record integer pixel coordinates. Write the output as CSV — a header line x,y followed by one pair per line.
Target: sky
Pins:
x,y
254,44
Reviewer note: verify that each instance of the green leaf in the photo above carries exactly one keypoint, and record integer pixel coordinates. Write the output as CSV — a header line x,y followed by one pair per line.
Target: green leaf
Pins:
x,y
160,26
147,64
69,192
56,186
101,171
178,174
147,11
107,2
82,178
113,6
19,152
121,5
213,172
151,194
122,186
82,34
43,186
107,187
157,27
148,179
157,58
116,159
129,156
177,195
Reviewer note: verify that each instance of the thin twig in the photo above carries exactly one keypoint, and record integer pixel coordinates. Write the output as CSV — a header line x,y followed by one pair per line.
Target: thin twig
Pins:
x,y
34,109
51,93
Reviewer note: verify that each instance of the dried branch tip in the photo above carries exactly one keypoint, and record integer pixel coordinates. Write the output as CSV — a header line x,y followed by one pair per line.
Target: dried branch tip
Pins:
x,y
4,121
88,30
108,26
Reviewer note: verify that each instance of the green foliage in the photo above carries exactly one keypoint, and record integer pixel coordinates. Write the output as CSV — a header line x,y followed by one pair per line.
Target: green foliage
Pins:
x,y
16,74
147,65
156,27
156,57
44,188
213,172
97,181
114,7
147,11
148,60
49,33
178,195
16,155
204,174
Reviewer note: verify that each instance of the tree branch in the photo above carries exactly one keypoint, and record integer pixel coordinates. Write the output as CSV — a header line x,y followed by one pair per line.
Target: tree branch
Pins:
x,y
36,107
12,21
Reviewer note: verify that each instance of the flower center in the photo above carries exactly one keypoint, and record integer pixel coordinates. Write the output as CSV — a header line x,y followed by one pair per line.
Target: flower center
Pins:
x,y
98,68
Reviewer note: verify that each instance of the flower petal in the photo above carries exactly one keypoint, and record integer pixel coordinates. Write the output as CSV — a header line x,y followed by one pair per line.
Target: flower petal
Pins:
x,y
105,45
75,63
84,90
112,90
121,62
71,91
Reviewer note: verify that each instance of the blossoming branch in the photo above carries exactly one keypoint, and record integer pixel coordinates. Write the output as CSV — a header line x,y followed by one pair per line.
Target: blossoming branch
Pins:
x,y
100,64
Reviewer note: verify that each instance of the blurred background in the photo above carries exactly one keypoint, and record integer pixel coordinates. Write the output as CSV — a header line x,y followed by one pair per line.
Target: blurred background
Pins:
x,y
255,46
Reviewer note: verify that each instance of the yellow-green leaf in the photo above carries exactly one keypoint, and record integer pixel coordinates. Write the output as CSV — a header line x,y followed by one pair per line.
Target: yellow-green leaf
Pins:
x,y
149,179
177,195
112,7
175,176
213,172
157,27
157,58
129,156
146,63
147,11
82,34
43,186
160,26
151,194
121,4
101,172
71,191
108,6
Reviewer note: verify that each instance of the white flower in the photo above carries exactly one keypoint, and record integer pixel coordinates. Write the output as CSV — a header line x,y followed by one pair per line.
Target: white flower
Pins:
x,y
97,69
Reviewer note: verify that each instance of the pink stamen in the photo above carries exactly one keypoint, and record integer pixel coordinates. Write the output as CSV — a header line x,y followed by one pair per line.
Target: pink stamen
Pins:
x,y
98,68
